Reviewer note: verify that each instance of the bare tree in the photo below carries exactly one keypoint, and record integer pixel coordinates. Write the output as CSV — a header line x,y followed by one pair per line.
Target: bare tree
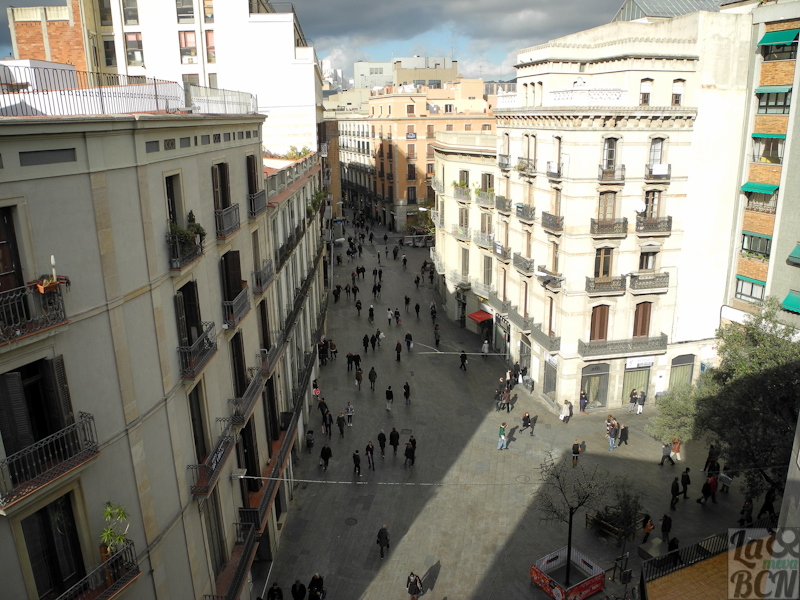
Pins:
x,y
566,490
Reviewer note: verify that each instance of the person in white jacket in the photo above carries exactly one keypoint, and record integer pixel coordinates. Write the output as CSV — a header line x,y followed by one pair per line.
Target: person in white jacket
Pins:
x,y
348,411
485,348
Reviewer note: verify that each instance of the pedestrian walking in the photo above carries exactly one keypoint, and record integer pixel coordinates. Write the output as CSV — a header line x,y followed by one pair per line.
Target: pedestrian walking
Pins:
x,y
705,491
407,392
612,437
430,277
712,487
416,281
675,490
275,593
328,424
369,452
746,513
640,403
382,443
485,348
394,439
437,336
373,340
416,309
686,482
348,411
356,463
576,452
359,377
414,586
623,435
349,358
409,454
713,455
355,291
634,397
407,301
373,376
666,526
398,348
389,316
380,275
564,416
340,423
357,360
409,342
648,527
397,316
676,449
324,456
666,449
502,443
375,275
347,291
379,336
379,289
389,398
463,358
365,343
323,408
507,400
527,423
583,401
298,591
383,539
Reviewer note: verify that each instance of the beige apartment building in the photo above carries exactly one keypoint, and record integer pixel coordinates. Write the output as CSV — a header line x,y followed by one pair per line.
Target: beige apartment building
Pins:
x,y
591,251
159,357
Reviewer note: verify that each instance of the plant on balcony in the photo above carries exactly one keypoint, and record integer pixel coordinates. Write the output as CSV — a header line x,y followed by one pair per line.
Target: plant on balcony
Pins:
x,y
460,184
755,256
113,535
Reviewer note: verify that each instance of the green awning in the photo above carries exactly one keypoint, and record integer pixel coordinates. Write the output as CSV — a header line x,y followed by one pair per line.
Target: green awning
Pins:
x,y
759,188
756,281
753,233
792,302
777,136
794,257
779,38
773,89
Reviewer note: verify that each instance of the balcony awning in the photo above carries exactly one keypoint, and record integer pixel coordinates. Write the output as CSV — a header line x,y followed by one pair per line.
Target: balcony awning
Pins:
x,y
779,136
751,280
792,302
773,89
794,257
759,188
480,316
754,234
779,38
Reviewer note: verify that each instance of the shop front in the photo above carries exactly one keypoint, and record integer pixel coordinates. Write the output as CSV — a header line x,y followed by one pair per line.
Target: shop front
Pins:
x,y
501,335
594,381
637,377
484,320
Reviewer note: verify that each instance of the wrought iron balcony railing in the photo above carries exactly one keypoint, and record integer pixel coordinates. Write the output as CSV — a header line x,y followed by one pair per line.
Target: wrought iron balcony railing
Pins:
x,y
42,462
107,579
614,173
481,289
241,559
609,347
605,285
207,474
462,194
227,221
658,172
552,222
526,212
243,407
550,279
550,344
502,252
195,357
522,322
459,278
526,165
526,265
504,161
263,279
502,204
501,306
181,253
462,233
256,204
655,225
233,311
484,198
31,308
554,169
650,281
436,218
609,227
483,239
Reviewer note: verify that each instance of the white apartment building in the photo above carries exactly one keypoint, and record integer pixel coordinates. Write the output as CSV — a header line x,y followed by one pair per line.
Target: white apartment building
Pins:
x,y
595,248
252,45
431,71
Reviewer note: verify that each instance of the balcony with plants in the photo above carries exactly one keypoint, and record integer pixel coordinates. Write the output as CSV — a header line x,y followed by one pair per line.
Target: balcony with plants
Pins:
x,y
184,245
484,198
35,307
460,232
526,166
461,192
108,579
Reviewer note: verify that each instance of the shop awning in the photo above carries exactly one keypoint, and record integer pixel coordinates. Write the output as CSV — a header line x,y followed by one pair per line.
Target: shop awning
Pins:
x,y
779,38
759,188
794,257
480,316
773,89
779,136
792,302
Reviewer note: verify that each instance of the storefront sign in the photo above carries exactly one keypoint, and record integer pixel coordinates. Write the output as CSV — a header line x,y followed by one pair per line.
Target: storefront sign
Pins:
x,y
640,362
551,359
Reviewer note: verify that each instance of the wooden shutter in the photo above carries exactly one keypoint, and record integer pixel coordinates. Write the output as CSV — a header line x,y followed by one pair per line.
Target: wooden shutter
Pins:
x,y
602,262
225,184
15,424
191,305
605,207
551,310
265,335
215,186
180,318
251,458
599,326
641,320
239,368
59,403
231,275
252,178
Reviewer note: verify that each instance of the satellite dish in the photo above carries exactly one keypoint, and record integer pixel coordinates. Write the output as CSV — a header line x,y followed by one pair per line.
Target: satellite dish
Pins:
x,y
640,206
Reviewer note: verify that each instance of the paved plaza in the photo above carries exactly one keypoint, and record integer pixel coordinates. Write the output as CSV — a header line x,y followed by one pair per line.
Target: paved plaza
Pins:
x,y
465,517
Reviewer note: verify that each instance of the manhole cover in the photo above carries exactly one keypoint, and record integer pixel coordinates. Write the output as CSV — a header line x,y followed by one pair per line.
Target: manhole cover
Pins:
x,y
351,521
523,479
405,431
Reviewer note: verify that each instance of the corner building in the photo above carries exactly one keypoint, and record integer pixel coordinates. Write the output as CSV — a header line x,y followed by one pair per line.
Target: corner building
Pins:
x,y
593,251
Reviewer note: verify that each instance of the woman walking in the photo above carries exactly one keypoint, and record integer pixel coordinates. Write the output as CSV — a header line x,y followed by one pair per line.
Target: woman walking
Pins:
x,y
584,401
633,398
565,412
414,586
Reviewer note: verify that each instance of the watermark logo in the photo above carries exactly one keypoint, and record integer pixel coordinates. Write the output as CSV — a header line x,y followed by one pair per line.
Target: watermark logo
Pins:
x,y
764,564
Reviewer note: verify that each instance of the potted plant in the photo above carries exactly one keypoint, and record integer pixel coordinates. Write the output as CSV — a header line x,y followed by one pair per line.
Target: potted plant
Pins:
x,y
113,537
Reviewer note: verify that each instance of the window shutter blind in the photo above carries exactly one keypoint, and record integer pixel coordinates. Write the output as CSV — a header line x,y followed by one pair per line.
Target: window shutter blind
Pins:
x,y
15,424
59,403
647,86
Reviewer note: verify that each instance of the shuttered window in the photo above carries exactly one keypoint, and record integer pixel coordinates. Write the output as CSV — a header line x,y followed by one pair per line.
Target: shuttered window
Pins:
x,y
232,282
239,365
602,262
252,174
598,328
220,182
641,319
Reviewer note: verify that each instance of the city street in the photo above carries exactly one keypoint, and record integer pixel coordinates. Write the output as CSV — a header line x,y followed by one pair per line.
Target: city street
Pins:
x,y
464,517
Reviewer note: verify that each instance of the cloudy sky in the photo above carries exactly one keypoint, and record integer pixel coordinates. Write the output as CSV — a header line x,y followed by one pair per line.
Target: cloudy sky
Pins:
x,y
483,35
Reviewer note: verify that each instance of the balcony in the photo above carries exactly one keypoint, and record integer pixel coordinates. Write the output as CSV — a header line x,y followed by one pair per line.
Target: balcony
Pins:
x,y
233,311
227,221
554,169
484,198
232,579
526,212
256,204
550,344
462,194
108,579
458,278
502,252
43,462
264,278
649,283
194,358
605,285
504,161
207,474
552,222
658,172
550,279
32,308
614,173
436,218
641,345
656,226
526,166
481,289
461,233
500,306
390,175
438,186
609,227
483,239
502,204
243,407
183,250
523,323
526,265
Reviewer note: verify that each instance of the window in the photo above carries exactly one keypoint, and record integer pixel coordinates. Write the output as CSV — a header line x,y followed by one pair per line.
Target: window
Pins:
x,y
390,109
187,315
435,84
232,283
409,109
212,83
467,126
418,82
644,92
554,252
411,194
780,52
188,43
602,262
133,49
486,127
105,12
448,108
463,217
429,152
429,132
465,262
523,300
463,178
130,12
110,50
652,198
762,203
409,129
551,314
488,266
749,290
598,329
391,193
605,206
774,104
609,153
251,167
641,320
768,150
208,11
411,173
190,79
174,194
448,127
211,50
656,151
486,223
757,244
221,187
677,92
647,261
411,151
487,182
429,170
185,10
557,202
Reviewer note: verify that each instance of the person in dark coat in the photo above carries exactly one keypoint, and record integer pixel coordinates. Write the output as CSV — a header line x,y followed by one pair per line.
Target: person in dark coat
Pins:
x,y
383,539
369,452
365,343
357,463
666,450
769,504
623,435
382,443
414,586
706,491
394,439
666,526
413,442
410,450
583,401
373,340
746,513
328,424
463,358
323,408
713,455
407,392
576,452
675,491
373,376
349,361
686,482
316,587
325,456
298,591
526,423
275,593
389,398
409,341
340,422
398,348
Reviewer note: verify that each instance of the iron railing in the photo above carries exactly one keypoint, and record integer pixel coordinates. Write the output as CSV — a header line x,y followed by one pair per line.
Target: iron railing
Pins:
x,y
608,347
522,322
227,220
263,279
256,204
526,165
552,222
29,309
526,265
484,198
660,172
601,285
267,358
195,357
551,344
554,169
502,252
483,239
651,281
459,278
526,212
48,459
653,225
501,306
233,311
609,227
246,540
502,204
215,101
462,193
107,579
462,233
437,219
504,161
243,407
550,279
480,288
207,474
182,253
615,173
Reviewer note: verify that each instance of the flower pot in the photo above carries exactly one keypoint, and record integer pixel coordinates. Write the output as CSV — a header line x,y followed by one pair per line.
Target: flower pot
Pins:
x,y
46,286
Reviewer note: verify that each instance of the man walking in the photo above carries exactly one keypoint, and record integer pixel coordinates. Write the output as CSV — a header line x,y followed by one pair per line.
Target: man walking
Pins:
x,y
410,451
323,408
407,393
526,423
666,449
325,456
349,361
666,526
383,539
369,452
382,443
612,436
389,398
394,439
409,342
675,491
340,424
275,593
416,308
502,443
373,376
685,482
407,301
485,348
398,348
298,591
365,343
328,422
356,463
359,377
463,358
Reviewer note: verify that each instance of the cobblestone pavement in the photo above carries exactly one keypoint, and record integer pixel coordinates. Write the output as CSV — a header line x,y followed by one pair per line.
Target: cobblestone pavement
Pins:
x,y
464,516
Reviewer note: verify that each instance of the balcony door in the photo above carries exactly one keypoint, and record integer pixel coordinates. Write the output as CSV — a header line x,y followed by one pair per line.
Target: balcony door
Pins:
x,y
10,270
252,174
213,526
606,205
198,429
486,223
609,153
465,263
651,201
187,314
656,151
487,182
602,262
598,329
238,365
220,182
551,311
641,320
232,283
247,456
